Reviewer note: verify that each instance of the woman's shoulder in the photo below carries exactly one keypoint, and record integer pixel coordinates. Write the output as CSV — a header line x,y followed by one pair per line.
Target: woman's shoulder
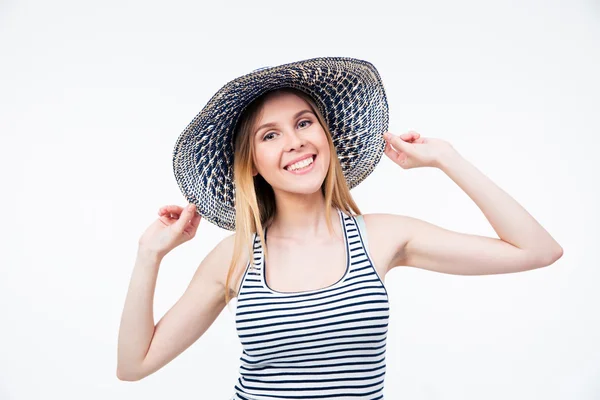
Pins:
x,y
223,254
388,233
386,224
382,222
378,223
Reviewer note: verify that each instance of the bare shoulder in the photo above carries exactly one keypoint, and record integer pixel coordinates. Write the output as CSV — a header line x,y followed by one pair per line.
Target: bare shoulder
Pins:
x,y
220,260
387,237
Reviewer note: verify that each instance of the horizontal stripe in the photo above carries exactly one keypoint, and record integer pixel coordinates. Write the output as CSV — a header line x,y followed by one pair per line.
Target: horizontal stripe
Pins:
x,y
315,344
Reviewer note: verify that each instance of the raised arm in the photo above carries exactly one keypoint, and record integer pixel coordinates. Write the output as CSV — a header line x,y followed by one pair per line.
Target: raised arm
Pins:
x,y
523,244
143,347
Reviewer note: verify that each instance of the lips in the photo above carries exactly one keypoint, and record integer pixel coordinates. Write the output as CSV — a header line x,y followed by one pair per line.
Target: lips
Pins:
x,y
314,156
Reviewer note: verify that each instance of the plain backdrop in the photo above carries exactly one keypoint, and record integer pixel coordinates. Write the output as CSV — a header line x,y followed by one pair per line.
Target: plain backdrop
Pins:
x,y
93,96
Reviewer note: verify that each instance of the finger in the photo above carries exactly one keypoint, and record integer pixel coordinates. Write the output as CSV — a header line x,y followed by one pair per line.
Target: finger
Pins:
x,y
175,209
398,157
409,136
397,143
195,221
391,153
187,214
171,215
193,224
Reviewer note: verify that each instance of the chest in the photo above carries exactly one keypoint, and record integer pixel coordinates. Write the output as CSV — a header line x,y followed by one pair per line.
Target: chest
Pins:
x,y
295,267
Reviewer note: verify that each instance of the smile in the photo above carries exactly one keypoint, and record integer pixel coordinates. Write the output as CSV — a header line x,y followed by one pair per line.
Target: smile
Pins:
x,y
302,167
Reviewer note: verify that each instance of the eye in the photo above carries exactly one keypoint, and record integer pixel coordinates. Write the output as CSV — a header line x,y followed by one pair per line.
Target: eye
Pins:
x,y
305,120
267,135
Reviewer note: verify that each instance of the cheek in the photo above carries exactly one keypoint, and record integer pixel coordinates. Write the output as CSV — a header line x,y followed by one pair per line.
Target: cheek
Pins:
x,y
266,160
323,144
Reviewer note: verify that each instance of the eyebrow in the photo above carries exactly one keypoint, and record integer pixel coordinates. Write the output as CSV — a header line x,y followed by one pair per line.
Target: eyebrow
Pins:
x,y
271,124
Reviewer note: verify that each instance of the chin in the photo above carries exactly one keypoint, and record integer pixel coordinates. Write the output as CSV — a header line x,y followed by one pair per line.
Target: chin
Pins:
x,y
307,188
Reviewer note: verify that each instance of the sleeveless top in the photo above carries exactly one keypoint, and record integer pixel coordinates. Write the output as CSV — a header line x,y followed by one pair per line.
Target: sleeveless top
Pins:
x,y
316,344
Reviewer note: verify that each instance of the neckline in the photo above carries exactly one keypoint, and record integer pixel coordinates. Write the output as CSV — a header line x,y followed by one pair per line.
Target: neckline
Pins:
x,y
309,291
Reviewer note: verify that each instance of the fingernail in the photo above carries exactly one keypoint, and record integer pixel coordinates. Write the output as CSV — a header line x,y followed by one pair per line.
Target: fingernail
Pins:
x,y
386,135
191,207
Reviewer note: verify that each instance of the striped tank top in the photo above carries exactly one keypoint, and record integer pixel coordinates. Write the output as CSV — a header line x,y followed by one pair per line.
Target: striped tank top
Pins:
x,y
318,344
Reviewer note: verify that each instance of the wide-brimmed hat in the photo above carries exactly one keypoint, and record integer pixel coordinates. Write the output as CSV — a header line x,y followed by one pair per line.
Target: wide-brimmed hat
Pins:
x,y
348,92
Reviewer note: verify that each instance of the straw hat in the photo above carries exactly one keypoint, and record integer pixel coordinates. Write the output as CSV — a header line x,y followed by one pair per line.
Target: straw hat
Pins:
x,y
348,92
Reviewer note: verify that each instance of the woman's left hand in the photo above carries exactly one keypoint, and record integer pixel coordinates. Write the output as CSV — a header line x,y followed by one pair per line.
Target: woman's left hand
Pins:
x,y
410,150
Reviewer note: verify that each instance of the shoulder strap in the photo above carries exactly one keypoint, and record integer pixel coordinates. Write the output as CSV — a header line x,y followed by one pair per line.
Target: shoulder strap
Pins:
x,y
363,229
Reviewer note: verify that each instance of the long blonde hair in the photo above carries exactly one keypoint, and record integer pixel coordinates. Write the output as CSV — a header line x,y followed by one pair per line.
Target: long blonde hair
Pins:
x,y
254,197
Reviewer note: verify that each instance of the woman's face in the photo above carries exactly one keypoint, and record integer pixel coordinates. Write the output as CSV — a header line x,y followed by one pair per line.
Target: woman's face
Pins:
x,y
291,148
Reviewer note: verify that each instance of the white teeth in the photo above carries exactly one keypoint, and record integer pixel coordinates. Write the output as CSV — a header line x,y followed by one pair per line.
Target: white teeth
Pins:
x,y
301,164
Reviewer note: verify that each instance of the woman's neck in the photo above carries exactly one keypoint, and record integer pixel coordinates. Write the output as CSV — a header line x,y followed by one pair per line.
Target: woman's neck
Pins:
x,y
301,217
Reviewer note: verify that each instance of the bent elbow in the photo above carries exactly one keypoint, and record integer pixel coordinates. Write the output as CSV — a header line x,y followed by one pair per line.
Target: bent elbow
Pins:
x,y
552,257
128,375
558,253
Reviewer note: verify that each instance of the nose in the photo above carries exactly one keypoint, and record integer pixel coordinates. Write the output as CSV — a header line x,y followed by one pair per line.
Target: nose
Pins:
x,y
294,140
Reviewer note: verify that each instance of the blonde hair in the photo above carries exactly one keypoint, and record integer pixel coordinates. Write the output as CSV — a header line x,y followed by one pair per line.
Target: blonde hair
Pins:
x,y
254,197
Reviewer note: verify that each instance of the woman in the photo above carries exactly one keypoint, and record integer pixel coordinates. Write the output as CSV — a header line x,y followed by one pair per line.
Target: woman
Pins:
x,y
306,267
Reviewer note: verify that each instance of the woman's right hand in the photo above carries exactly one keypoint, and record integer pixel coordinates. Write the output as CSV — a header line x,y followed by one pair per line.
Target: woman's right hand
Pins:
x,y
175,225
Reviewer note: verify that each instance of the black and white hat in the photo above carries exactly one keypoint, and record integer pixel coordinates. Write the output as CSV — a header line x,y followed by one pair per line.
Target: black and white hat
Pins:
x,y
348,92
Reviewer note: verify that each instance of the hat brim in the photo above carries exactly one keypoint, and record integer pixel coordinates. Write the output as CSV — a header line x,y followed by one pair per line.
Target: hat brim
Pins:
x,y
349,93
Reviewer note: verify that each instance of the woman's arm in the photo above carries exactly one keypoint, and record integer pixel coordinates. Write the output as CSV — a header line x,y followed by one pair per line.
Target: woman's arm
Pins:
x,y
524,244
137,319
144,348
511,222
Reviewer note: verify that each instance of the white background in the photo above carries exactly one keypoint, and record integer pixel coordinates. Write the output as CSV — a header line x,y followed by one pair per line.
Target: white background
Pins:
x,y
93,96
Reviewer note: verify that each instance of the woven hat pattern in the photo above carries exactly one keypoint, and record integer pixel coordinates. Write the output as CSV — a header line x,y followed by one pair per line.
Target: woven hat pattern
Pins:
x,y
348,92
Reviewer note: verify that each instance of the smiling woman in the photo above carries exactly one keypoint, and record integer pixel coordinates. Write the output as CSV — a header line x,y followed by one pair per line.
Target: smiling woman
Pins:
x,y
282,128
273,155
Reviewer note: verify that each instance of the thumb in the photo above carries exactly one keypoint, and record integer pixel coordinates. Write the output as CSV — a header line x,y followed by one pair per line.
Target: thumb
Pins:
x,y
186,215
396,141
